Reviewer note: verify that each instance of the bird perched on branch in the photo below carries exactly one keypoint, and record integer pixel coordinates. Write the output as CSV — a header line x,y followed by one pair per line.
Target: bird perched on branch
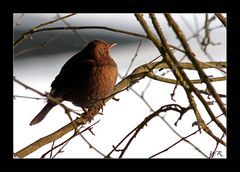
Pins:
x,y
86,79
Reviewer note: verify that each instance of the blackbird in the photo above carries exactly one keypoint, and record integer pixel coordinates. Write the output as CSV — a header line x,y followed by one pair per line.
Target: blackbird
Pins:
x,y
85,79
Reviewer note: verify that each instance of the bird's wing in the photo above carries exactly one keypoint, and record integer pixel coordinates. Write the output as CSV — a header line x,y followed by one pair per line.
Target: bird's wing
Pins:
x,y
73,74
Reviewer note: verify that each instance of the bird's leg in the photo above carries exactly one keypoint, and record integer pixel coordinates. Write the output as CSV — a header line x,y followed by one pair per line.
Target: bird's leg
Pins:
x,y
94,110
88,115
101,107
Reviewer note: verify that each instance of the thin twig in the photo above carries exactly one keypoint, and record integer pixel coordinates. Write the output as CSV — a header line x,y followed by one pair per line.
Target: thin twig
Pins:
x,y
43,44
214,151
28,97
162,118
144,123
28,34
136,53
70,138
33,31
183,138
52,149
79,35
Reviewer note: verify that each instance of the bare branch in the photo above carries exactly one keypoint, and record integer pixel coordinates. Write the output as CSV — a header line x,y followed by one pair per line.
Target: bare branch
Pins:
x,y
222,19
195,62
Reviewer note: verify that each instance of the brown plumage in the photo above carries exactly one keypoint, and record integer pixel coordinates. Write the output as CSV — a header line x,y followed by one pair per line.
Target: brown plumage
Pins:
x,y
85,79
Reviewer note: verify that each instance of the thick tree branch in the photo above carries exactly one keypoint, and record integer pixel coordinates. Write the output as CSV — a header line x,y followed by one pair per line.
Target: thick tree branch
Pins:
x,y
222,19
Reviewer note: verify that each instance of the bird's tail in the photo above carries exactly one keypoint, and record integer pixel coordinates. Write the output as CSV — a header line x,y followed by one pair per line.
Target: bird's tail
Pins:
x,y
42,114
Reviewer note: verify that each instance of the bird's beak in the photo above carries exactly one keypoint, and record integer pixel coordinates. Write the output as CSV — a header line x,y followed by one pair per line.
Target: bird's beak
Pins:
x,y
112,45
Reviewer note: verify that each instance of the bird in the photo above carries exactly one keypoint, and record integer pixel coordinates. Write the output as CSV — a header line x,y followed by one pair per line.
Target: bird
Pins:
x,y
86,79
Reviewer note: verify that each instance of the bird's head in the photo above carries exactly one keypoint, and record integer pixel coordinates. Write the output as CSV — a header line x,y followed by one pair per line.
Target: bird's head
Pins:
x,y
100,45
